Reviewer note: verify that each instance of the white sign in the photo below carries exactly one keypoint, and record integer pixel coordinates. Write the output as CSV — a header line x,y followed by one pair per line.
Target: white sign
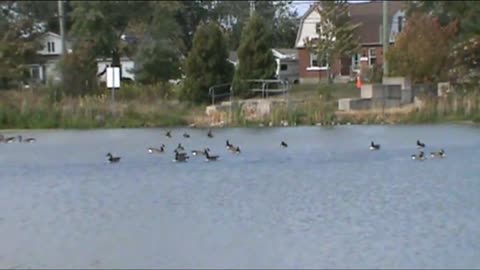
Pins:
x,y
113,77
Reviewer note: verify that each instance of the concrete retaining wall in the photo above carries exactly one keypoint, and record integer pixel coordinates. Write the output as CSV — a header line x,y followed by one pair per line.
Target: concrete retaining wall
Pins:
x,y
385,103
352,104
357,104
404,83
381,91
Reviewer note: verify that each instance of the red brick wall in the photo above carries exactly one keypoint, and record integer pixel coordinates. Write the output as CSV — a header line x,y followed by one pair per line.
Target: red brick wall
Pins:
x,y
304,62
379,52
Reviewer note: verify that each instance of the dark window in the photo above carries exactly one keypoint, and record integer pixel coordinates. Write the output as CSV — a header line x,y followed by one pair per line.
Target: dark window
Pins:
x,y
53,46
49,48
317,28
400,23
283,67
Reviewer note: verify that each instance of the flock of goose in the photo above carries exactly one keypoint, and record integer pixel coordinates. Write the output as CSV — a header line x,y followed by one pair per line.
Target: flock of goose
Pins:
x,y
420,155
183,156
18,138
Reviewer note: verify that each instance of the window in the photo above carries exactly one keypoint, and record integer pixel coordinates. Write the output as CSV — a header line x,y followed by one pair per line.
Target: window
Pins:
x,y
35,72
51,46
283,67
356,61
372,56
317,28
314,62
400,23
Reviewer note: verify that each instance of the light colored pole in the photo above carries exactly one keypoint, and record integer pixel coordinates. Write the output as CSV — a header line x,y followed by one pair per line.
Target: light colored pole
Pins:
x,y
385,37
61,18
61,22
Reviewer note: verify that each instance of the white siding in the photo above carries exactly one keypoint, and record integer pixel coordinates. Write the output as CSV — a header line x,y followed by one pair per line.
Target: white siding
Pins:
x,y
51,38
394,25
308,28
127,66
51,71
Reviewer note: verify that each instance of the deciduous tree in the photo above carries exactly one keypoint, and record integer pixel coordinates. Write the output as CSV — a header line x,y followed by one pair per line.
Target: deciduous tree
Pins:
x,y
422,50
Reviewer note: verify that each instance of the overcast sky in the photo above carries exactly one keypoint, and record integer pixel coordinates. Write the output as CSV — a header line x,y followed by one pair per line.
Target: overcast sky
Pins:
x,y
302,5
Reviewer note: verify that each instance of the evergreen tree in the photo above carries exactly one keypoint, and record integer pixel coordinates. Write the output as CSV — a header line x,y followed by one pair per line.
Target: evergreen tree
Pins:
x,y
337,34
207,63
256,60
159,54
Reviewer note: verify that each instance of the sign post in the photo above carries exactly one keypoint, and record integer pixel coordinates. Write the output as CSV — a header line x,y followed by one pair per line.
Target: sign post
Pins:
x,y
113,81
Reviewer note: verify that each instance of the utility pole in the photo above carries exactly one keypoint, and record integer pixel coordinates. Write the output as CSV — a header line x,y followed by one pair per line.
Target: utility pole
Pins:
x,y
252,7
385,37
61,18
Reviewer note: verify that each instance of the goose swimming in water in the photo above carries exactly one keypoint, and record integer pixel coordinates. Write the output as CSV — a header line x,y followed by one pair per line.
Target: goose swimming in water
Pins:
x,y
420,156
374,146
439,154
112,159
228,145
152,150
420,144
208,157
169,134
27,140
209,134
199,152
236,150
7,140
186,135
180,147
284,144
180,157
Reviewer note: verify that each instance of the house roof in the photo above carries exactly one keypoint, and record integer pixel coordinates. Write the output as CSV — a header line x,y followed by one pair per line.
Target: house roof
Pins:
x,y
286,51
370,17
233,56
368,14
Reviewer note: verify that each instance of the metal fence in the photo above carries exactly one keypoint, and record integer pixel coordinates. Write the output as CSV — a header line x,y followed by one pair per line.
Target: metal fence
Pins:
x,y
265,87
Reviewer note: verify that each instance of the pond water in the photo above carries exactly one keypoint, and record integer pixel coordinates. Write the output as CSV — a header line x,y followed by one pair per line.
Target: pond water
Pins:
x,y
326,201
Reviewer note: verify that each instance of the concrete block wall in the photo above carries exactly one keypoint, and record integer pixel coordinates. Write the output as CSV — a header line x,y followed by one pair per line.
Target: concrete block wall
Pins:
x,y
385,103
354,104
403,81
381,91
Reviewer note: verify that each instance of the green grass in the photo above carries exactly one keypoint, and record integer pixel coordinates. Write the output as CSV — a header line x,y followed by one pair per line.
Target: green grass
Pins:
x,y
37,110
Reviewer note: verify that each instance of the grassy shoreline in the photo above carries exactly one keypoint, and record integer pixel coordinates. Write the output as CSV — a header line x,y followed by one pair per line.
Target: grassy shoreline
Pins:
x,y
135,108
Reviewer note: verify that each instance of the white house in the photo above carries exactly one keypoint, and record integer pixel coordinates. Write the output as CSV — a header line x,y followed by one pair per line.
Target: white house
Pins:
x,y
287,63
127,68
43,69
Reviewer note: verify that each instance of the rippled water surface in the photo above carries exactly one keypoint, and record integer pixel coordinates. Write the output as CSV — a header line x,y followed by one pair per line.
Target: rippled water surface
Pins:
x,y
326,201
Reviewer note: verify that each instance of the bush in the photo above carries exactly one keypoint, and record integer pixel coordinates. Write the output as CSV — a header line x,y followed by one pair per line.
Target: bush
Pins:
x,y
79,69
145,92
